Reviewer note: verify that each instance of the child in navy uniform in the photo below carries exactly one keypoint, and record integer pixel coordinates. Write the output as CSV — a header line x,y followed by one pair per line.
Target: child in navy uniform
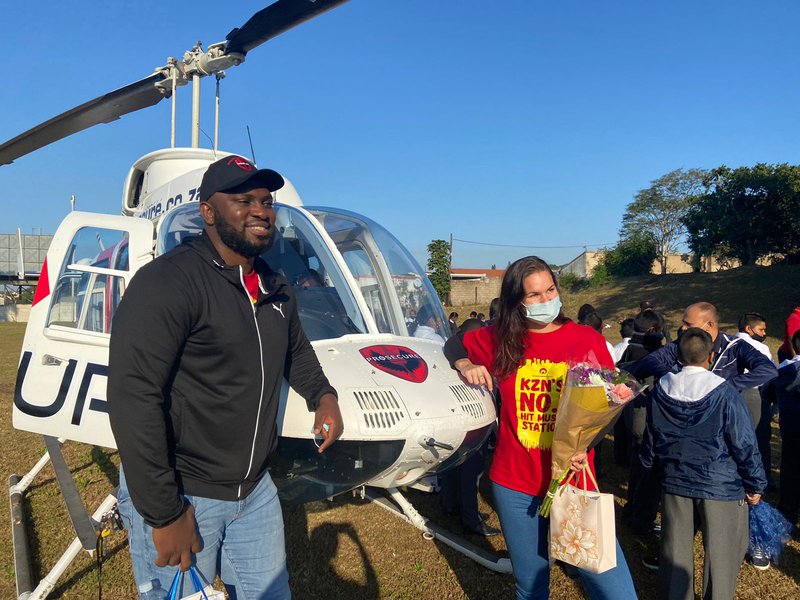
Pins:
x,y
785,390
700,435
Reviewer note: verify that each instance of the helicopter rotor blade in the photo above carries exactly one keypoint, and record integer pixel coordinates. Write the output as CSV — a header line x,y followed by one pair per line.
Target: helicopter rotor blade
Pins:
x,y
261,27
103,109
274,20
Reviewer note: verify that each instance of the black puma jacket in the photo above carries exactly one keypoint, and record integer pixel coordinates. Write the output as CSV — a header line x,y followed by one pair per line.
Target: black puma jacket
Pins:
x,y
195,373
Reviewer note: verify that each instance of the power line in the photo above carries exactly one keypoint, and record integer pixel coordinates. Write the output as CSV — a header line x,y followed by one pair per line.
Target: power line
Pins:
x,y
532,247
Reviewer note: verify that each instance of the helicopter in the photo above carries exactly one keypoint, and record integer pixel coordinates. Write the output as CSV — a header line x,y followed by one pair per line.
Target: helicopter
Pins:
x,y
407,414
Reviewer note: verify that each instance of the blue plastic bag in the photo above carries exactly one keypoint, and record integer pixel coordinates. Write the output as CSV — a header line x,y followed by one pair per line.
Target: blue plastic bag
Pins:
x,y
769,530
201,592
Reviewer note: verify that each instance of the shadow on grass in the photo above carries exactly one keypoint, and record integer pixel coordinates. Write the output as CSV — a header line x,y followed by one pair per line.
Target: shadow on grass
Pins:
x,y
102,458
311,556
76,577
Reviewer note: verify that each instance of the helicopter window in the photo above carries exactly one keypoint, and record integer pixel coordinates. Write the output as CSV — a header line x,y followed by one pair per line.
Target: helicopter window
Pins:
x,y
84,298
325,302
396,289
364,273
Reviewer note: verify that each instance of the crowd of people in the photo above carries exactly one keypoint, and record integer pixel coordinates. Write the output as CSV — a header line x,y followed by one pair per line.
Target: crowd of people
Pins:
x,y
696,444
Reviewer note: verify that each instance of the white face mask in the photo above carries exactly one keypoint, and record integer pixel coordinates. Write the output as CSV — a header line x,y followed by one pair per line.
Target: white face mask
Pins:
x,y
544,312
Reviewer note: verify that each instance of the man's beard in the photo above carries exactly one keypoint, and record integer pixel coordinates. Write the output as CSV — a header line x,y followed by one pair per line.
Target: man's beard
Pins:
x,y
237,242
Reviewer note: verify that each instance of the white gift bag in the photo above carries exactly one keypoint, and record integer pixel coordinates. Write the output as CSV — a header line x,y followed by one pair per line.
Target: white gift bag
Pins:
x,y
582,529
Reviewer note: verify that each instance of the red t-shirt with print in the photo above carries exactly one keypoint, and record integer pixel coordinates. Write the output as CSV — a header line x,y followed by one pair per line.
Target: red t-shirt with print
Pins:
x,y
530,400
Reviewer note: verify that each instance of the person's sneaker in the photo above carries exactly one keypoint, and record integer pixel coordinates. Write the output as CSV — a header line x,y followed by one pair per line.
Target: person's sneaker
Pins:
x,y
650,562
656,528
759,559
483,529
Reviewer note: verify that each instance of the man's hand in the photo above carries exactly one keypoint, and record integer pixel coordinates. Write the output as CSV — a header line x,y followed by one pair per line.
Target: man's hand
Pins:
x,y
474,374
752,499
328,421
175,543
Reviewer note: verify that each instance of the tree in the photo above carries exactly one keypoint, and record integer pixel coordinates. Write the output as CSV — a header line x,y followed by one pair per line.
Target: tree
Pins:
x,y
747,213
633,255
439,267
658,212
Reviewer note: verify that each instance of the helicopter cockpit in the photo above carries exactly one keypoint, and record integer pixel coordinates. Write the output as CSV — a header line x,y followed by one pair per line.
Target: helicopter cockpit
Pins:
x,y
351,277
327,254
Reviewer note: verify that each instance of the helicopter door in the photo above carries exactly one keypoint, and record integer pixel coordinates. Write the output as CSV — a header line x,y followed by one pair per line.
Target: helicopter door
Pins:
x,y
61,381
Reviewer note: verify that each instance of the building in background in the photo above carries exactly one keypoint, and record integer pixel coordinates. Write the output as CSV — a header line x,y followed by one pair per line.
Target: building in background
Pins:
x,y
469,287
585,263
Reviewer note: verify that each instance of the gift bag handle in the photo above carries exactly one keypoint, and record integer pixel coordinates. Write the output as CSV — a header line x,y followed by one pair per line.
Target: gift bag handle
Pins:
x,y
172,594
591,477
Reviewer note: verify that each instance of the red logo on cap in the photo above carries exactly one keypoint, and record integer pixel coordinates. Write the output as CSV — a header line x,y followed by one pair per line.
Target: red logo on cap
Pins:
x,y
399,361
242,163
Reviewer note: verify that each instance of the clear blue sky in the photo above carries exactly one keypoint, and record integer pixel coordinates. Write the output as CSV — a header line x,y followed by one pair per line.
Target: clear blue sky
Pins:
x,y
513,122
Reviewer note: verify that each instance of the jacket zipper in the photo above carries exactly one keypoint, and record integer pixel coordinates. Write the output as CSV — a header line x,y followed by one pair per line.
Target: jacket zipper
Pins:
x,y
721,354
261,363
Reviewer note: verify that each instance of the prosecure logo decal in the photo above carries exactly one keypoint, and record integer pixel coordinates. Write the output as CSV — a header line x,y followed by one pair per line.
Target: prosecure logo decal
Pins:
x,y
399,361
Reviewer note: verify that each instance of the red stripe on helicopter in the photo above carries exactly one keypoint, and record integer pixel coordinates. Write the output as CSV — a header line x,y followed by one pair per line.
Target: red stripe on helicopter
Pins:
x,y
43,287
399,361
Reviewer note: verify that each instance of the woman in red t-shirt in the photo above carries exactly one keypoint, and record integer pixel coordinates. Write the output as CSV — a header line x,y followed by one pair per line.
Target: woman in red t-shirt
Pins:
x,y
527,350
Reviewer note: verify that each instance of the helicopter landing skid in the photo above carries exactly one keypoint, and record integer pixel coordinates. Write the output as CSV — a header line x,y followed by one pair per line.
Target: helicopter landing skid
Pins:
x,y
86,528
399,506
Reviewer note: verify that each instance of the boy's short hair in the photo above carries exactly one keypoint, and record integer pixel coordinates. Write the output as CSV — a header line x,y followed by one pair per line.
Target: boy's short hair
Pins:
x,y
796,342
583,311
593,320
648,321
750,319
471,325
694,346
626,327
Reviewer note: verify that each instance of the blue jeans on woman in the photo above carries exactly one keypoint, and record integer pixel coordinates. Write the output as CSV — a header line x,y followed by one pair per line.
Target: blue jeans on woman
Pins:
x,y
527,538
242,542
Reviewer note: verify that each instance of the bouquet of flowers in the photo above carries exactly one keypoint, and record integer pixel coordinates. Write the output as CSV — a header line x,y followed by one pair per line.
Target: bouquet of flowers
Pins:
x,y
591,399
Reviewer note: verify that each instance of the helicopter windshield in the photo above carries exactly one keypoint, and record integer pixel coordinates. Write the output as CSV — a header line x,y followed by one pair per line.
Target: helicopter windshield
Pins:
x,y
395,288
325,302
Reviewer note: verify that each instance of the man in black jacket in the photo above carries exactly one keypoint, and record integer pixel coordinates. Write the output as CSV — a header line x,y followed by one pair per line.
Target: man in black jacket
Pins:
x,y
200,346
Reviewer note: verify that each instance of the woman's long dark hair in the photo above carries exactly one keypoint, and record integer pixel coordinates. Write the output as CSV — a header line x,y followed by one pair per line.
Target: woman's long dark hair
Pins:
x,y
511,325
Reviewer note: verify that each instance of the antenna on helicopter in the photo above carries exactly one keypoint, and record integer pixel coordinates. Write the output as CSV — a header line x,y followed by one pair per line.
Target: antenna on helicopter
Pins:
x,y
252,152
220,76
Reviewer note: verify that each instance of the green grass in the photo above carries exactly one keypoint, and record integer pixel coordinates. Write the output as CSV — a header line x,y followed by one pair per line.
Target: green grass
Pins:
x,y
349,549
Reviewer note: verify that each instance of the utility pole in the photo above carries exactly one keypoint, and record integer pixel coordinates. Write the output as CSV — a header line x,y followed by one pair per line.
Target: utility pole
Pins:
x,y
450,269
450,265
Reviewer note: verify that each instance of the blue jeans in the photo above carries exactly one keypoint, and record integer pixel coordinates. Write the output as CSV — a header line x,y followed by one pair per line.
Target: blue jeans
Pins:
x,y
242,543
527,539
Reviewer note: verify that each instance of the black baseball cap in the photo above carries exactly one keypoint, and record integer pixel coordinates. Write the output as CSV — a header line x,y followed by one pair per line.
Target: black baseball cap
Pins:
x,y
234,171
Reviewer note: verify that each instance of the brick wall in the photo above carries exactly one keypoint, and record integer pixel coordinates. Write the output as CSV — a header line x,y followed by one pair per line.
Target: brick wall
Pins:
x,y
466,293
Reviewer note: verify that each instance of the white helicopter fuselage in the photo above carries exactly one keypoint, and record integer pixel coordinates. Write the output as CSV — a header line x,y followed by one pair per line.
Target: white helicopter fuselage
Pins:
x,y
406,412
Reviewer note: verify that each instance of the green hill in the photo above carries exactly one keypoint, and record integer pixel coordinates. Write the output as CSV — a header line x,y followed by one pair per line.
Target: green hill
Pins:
x,y
773,291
